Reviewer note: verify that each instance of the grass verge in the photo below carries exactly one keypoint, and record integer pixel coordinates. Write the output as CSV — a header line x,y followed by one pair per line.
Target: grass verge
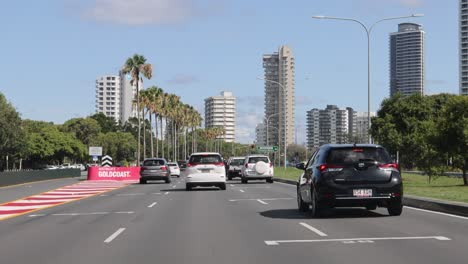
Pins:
x,y
443,188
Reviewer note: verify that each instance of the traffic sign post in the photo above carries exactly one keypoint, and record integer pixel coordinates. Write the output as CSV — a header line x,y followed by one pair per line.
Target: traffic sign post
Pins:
x,y
267,148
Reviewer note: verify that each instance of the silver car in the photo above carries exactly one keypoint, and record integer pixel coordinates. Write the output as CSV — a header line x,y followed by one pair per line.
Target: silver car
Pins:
x,y
155,169
234,167
257,167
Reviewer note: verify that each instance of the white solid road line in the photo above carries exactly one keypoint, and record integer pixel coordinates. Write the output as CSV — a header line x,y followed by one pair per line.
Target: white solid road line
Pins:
x,y
313,229
153,204
113,236
166,193
241,190
366,240
434,212
81,214
260,201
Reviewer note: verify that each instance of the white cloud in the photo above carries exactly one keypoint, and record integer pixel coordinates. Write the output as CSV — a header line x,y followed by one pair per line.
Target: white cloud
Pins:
x,y
140,12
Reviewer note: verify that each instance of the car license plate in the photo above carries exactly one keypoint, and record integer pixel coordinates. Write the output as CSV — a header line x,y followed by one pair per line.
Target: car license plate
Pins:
x,y
362,192
205,170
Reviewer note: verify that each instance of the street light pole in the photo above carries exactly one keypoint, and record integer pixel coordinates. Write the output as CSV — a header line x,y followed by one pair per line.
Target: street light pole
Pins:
x,y
368,32
284,110
267,121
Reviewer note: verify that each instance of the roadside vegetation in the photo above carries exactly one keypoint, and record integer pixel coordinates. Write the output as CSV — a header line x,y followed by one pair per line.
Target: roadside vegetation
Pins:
x,y
440,187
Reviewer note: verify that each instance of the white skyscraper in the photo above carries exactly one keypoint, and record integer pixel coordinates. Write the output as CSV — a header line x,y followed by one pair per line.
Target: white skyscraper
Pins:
x,y
108,96
220,111
463,46
279,105
260,134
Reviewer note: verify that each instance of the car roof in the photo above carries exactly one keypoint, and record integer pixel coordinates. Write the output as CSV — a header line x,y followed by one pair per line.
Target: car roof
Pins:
x,y
237,158
256,155
205,153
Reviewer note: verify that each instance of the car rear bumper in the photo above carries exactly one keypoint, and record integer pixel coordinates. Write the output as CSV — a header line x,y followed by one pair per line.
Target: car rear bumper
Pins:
x,y
255,176
155,177
205,178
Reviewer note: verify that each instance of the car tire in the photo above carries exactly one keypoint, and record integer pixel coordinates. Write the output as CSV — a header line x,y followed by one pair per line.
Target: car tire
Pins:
x,y
168,180
269,180
142,181
188,187
302,206
223,186
395,208
244,180
315,205
371,207
230,178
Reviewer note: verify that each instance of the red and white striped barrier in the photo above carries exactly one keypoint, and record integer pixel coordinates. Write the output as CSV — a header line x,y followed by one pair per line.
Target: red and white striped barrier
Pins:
x,y
58,196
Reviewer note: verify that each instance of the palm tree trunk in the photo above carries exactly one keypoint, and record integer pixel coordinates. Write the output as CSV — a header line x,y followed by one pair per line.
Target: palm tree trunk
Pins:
x,y
139,123
165,136
185,143
151,132
162,136
156,132
144,134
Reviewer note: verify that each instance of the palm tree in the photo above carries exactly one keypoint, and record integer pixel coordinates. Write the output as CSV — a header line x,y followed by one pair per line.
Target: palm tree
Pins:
x,y
137,65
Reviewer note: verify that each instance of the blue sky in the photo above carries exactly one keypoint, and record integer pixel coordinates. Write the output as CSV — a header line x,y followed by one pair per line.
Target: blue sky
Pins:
x,y
52,53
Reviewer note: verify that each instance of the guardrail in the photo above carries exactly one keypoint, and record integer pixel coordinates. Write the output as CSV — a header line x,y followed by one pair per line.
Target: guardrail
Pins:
x,y
16,177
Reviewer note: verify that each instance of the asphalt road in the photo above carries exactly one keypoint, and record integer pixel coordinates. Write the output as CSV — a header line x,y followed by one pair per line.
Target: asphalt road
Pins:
x,y
253,223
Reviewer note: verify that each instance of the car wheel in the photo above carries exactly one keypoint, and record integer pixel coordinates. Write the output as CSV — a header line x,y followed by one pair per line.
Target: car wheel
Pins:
x,y
142,181
168,180
230,178
315,206
269,180
244,180
223,186
371,207
395,208
188,187
303,207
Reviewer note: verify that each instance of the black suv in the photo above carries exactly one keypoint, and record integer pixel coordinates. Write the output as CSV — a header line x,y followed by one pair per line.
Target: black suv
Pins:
x,y
344,175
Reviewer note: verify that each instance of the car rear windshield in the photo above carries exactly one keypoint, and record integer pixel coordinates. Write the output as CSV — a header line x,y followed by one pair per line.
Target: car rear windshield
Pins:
x,y
205,159
155,162
237,162
172,165
357,154
257,159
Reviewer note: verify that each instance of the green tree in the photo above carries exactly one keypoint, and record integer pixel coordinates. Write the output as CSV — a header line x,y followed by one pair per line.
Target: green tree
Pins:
x,y
296,153
45,143
84,129
121,146
453,132
106,123
11,134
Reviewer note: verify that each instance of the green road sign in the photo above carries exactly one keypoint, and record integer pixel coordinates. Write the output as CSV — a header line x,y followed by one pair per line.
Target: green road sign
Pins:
x,y
267,148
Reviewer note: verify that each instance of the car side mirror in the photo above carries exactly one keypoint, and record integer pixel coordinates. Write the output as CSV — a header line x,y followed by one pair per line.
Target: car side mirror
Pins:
x,y
300,166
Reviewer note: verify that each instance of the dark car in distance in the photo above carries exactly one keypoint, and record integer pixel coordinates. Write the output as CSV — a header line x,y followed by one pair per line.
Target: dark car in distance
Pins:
x,y
345,175
155,169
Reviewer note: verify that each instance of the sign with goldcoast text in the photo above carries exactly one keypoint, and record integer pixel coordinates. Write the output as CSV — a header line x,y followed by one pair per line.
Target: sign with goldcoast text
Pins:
x,y
113,173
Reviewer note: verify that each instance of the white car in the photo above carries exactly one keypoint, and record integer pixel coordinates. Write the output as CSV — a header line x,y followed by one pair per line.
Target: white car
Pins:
x,y
205,169
257,167
174,168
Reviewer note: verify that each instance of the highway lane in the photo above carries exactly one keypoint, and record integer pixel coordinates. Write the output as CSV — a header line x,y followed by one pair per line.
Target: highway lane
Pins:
x,y
253,223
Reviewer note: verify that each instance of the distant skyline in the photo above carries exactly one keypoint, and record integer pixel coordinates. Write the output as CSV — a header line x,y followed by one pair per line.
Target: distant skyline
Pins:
x,y
52,53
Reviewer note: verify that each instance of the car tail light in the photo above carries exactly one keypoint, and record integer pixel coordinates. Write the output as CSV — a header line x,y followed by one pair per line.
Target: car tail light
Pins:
x,y
389,166
330,168
271,164
142,168
246,165
163,168
190,164
220,164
